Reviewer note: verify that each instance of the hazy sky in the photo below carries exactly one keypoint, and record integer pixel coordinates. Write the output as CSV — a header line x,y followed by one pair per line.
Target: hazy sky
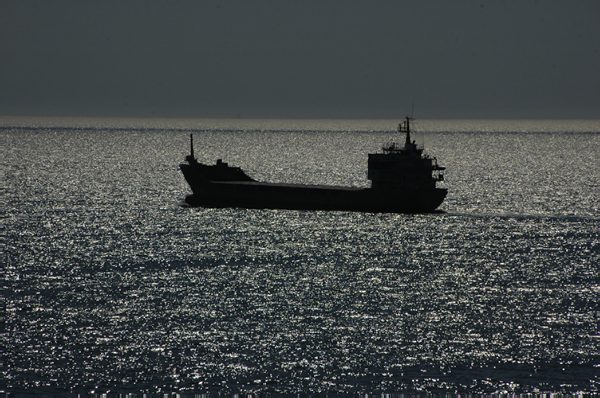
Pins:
x,y
301,59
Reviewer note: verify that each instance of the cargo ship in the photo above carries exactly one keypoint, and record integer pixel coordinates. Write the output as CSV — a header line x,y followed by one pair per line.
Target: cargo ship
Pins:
x,y
403,180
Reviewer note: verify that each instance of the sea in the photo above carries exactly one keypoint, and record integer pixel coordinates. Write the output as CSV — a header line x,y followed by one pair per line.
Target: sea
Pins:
x,y
113,286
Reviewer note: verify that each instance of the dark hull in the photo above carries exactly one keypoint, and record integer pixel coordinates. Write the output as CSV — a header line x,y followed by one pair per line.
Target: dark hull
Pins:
x,y
258,195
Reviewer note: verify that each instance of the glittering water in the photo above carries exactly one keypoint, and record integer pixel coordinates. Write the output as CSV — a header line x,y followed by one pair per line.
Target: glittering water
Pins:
x,y
112,286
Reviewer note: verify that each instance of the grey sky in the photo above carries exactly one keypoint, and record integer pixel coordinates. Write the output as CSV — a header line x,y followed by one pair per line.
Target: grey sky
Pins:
x,y
300,59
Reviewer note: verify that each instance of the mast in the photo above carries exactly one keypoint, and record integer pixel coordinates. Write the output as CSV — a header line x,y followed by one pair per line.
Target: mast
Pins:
x,y
407,144
190,158
192,145
405,128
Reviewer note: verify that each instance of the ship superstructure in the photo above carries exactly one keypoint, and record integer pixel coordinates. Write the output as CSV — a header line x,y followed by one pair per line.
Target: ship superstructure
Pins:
x,y
404,168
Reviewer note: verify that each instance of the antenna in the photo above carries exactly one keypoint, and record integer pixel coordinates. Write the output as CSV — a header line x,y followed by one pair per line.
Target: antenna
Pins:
x,y
412,116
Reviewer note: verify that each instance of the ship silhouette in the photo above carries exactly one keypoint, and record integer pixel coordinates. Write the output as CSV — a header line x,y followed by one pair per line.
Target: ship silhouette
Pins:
x,y
403,180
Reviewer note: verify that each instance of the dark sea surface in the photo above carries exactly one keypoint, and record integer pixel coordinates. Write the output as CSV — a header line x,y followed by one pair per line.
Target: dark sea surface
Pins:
x,y
112,286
